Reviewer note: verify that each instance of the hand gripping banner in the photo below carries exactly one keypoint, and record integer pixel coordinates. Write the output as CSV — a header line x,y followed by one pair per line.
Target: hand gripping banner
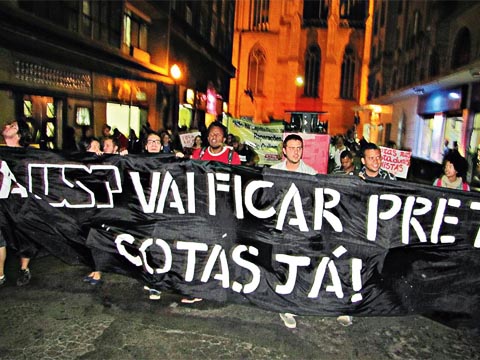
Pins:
x,y
287,242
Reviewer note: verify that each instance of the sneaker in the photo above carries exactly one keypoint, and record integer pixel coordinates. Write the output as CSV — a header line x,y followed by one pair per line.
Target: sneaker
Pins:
x,y
3,281
154,294
24,278
345,320
288,320
190,300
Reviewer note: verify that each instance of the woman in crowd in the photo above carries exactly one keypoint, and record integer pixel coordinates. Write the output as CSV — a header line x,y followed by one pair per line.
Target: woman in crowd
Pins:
x,y
454,172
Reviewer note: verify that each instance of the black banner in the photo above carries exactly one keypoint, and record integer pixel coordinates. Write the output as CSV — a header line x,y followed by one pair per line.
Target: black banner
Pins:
x,y
310,245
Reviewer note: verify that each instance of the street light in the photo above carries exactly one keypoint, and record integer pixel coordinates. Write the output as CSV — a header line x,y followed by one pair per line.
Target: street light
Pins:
x,y
176,74
299,80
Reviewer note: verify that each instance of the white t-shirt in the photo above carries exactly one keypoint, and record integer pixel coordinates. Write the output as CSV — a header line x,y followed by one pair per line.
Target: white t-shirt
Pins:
x,y
302,167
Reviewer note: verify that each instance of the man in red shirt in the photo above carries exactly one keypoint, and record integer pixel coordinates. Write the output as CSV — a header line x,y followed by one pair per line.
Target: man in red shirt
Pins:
x,y
216,149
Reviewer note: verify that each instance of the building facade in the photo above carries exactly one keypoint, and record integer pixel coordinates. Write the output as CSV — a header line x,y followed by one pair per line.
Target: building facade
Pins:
x,y
424,80
71,64
299,56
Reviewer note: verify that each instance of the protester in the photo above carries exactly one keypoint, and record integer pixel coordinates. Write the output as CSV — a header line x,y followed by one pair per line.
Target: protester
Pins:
x,y
167,146
229,140
216,149
454,172
348,166
446,149
292,149
153,143
93,146
351,143
197,144
106,130
121,139
16,134
293,152
372,162
110,146
134,144
95,277
336,150
85,137
247,156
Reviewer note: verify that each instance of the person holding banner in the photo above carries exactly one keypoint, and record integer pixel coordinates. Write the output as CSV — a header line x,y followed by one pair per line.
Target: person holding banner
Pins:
x,y
153,144
17,134
455,169
293,152
216,149
372,162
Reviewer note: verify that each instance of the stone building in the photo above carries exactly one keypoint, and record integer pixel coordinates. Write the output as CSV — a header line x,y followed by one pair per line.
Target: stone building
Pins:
x,y
299,56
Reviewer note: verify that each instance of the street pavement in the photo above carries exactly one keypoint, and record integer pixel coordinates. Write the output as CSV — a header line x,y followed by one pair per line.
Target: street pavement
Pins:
x,y
57,316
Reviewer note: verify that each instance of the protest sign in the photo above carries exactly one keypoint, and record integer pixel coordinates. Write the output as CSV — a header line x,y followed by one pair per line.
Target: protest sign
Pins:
x,y
396,161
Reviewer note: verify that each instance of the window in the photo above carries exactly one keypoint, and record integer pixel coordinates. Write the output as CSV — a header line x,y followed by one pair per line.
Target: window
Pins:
x,y
347,89
27,108
135,31
461,49
50,110
355,11
260,14
312,71
256,70
315,12
82,116
99,20
125,117
205,20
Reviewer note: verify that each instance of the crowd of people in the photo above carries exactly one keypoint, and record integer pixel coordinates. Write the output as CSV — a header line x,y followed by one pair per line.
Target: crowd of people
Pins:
x,y
347,157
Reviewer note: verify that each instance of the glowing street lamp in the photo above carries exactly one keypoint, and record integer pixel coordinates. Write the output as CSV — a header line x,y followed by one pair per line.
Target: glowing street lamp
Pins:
x,y
299,80
175,72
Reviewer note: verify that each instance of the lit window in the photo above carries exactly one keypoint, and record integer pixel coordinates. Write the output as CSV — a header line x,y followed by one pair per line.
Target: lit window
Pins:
x,y
27,108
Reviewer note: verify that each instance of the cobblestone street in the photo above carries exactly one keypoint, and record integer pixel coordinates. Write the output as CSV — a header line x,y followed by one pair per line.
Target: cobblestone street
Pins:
x,y
57,316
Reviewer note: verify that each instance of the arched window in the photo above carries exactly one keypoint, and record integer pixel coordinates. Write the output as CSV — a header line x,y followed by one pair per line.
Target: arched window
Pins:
x,y
461,48
312,71
347,89
256,70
